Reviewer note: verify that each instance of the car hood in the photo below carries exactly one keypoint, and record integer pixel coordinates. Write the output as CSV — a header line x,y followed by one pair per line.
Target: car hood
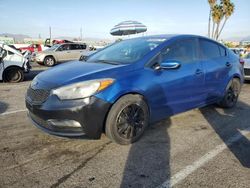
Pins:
x,y
77,71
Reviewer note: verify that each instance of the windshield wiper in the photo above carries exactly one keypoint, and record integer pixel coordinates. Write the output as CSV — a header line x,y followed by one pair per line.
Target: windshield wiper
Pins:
x,y
108,62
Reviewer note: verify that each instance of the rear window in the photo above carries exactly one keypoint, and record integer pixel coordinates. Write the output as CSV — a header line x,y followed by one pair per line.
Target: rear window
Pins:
x,y
209,50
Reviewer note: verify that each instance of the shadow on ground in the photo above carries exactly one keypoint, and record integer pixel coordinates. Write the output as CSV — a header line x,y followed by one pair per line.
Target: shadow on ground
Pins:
x,y
147,164
3,107
31,75
228,123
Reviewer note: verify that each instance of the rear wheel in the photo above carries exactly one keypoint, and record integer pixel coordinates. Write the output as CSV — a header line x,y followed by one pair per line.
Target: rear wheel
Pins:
x,y
232,94
127,119
13,75
49,61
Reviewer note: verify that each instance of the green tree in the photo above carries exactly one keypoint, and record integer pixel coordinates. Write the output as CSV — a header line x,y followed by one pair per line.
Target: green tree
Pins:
x,y
219,13
211,3
228,10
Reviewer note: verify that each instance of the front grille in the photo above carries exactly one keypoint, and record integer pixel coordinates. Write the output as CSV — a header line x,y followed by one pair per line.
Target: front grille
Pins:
x,y
37,96
247,72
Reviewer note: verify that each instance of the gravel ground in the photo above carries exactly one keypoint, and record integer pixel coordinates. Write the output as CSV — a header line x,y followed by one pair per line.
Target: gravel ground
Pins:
x,y
207,147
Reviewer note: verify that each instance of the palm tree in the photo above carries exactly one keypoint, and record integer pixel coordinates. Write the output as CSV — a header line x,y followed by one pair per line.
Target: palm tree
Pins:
x,y
217,14
228,10
211,4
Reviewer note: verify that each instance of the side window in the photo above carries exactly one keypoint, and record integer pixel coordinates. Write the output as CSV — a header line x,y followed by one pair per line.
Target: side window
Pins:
x,y
223,51
209,50
75,47
183,51
83,46
10,53
64,47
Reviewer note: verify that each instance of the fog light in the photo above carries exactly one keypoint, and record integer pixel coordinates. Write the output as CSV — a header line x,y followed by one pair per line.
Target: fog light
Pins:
x,y
64,123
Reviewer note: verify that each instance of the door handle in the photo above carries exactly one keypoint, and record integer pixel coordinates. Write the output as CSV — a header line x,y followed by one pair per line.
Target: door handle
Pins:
x,y
228,64
198,72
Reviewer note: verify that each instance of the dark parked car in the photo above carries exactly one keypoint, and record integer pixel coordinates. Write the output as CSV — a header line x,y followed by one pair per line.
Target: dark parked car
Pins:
x,y
124,87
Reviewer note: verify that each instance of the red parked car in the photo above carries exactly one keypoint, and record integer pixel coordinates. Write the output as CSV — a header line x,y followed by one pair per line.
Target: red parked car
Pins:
x,y
49,42
32,48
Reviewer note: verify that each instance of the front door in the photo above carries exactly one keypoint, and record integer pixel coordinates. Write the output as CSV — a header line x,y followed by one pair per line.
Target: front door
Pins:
x,y
63,53
183,87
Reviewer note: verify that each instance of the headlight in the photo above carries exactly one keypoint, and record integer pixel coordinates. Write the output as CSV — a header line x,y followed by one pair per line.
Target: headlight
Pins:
x,y
82,89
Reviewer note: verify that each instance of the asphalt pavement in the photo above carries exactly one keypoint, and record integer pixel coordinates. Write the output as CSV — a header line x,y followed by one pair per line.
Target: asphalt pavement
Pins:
x,y
207,147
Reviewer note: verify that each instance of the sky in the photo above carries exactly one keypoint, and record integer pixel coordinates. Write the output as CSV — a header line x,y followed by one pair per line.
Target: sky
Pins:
x,y
97,17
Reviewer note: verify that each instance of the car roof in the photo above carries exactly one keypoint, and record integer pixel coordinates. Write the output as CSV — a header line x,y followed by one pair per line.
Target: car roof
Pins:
x,y
175,36
72,43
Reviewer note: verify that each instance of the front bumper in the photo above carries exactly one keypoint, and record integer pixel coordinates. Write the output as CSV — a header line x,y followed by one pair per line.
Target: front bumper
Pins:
x,y
247,73
87,116
38,59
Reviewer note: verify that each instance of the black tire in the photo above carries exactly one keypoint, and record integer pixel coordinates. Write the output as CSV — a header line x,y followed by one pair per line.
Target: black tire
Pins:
x,y
13,75
127,119
49,61
232,94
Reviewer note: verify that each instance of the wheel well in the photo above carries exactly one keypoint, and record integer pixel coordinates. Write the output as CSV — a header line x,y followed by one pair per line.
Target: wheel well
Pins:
x,y
237,77
129,93
49,56
10,67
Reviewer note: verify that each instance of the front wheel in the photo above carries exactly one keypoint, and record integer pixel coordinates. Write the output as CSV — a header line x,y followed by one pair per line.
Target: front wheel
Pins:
x,y
127,119
13,75
49,61
232,94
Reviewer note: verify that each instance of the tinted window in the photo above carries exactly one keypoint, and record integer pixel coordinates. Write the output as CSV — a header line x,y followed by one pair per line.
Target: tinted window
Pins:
x,y
10,53
182,50
223,51
209,50
75,47
64,47
83,46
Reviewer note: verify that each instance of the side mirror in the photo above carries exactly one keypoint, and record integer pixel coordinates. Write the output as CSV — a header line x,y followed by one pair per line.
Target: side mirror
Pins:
x,y
83,58
168,65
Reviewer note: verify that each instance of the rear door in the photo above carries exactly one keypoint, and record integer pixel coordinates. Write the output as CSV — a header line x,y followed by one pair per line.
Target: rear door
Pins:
x,y
216,65
77,49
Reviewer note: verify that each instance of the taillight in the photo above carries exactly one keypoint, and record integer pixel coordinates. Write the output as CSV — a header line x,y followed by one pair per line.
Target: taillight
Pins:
x,y
242,62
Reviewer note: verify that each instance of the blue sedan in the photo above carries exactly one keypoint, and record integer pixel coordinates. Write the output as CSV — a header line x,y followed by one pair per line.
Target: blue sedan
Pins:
x,y
126,86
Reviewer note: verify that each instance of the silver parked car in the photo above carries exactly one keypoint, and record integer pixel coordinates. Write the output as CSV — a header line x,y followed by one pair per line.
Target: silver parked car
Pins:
x,y
247,67
60,53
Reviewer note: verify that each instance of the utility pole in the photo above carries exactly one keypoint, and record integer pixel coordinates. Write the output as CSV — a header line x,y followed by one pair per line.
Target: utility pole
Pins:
x,y
50,33
81,33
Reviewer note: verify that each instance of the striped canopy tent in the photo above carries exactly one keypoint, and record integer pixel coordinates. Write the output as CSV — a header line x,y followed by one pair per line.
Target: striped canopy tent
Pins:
x,y
128,28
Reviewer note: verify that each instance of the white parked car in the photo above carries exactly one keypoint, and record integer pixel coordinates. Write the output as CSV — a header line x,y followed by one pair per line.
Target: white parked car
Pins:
x,y
13,64
247,66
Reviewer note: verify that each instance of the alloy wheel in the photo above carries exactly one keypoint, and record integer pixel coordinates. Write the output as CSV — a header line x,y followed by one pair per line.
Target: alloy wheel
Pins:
x,y
130,121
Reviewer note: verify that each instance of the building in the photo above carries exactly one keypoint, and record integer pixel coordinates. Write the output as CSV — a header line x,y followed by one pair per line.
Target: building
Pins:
x,y
245,43
7,40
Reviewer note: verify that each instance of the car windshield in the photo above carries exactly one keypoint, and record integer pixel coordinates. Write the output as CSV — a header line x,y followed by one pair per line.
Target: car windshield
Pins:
x,y
54,47
127,51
